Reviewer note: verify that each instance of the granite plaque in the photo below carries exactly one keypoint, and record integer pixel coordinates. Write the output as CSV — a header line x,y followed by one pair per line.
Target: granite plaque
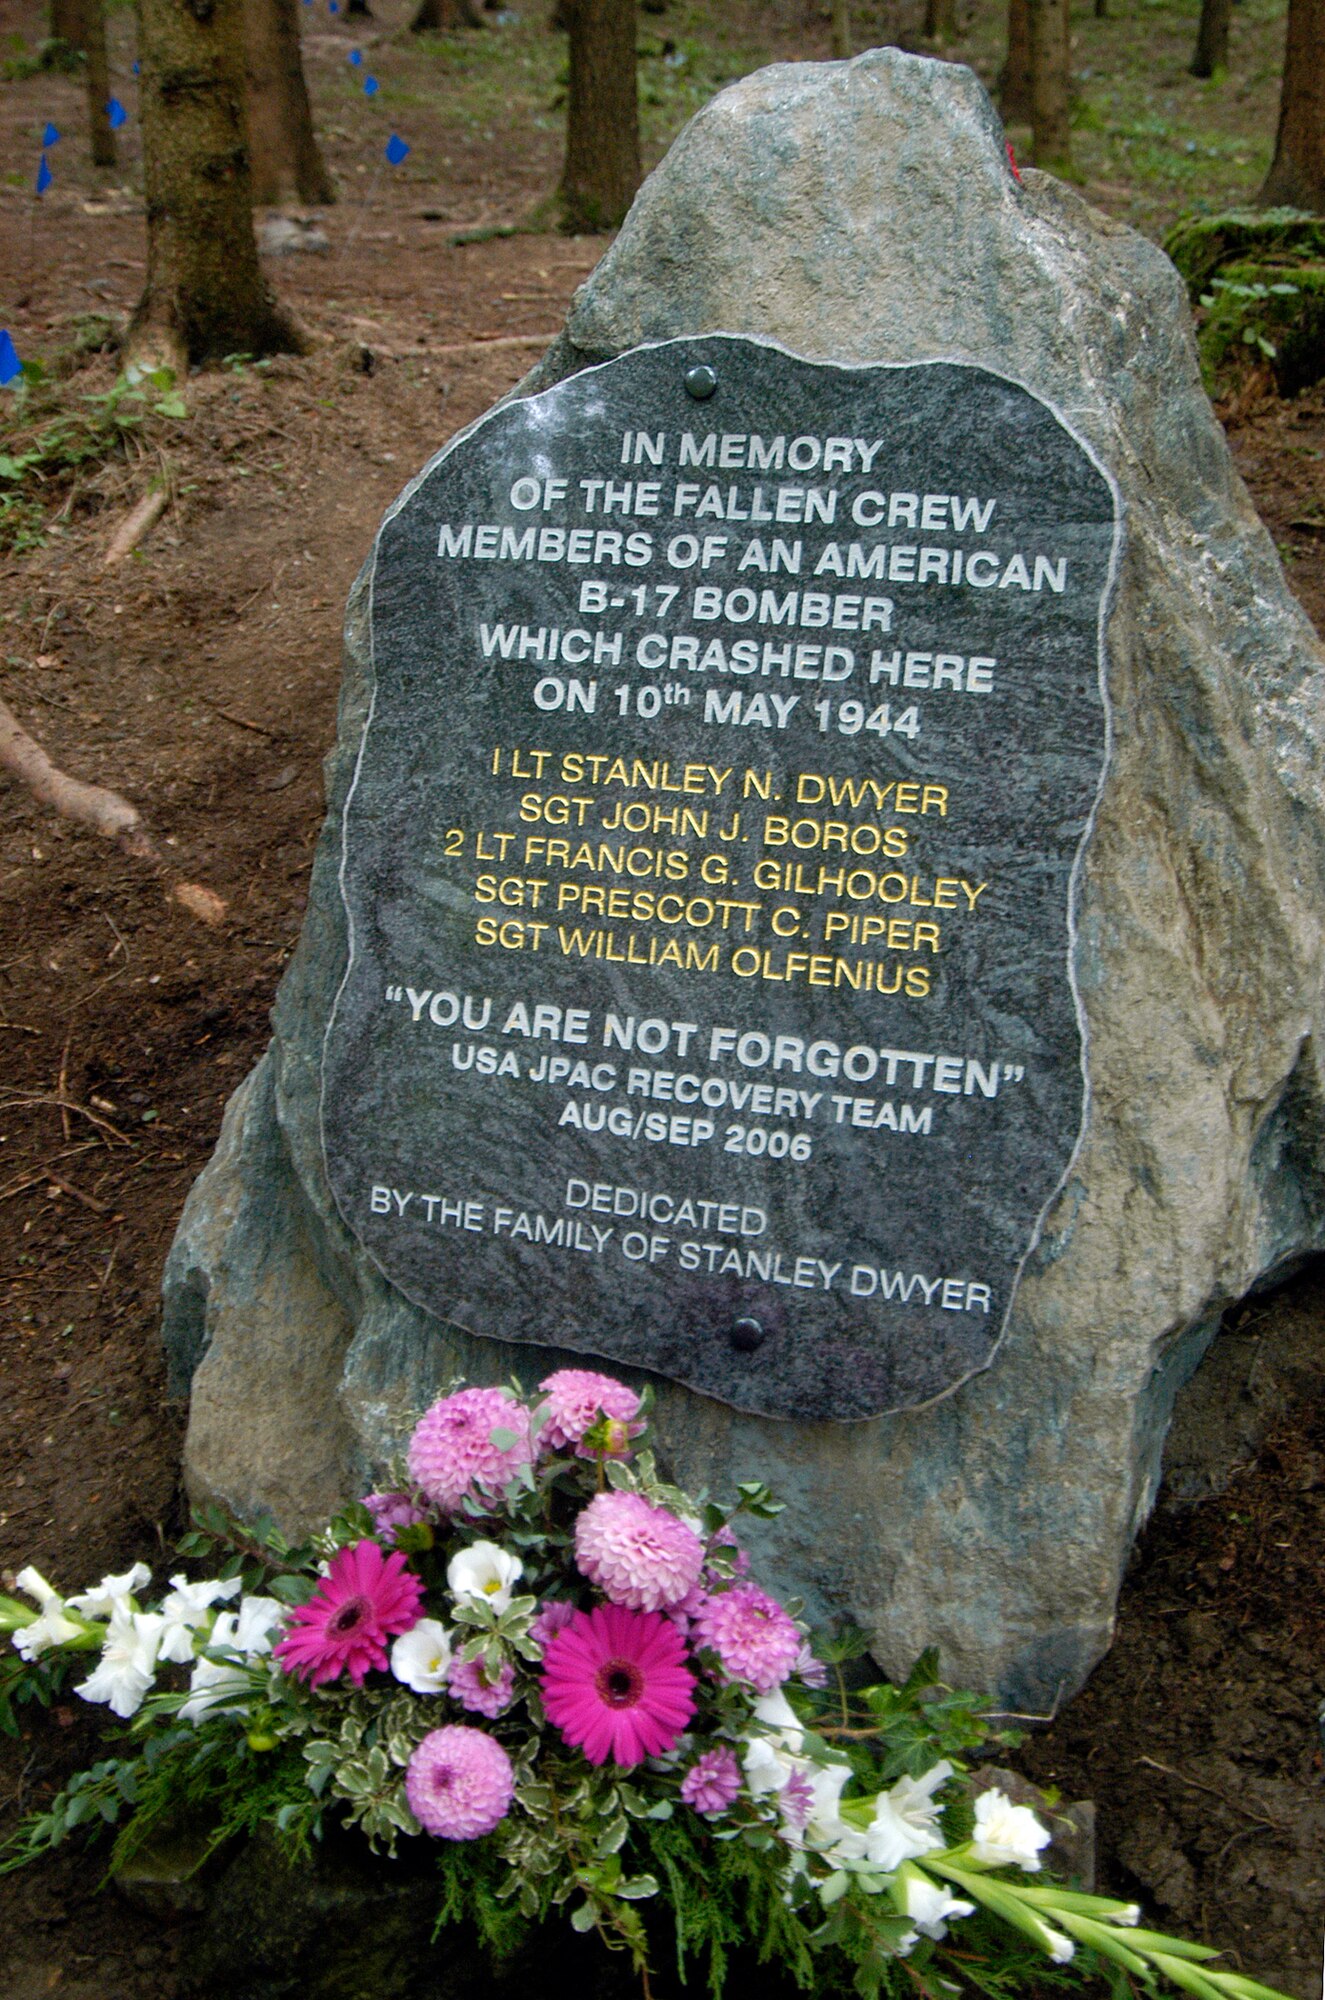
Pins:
x,y
709,866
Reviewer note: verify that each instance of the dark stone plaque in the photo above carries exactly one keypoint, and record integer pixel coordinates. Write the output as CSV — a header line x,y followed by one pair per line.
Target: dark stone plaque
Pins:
x,y
736,731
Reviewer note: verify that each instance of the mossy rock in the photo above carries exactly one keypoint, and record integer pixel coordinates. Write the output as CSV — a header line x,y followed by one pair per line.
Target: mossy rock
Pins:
x,y
1202,245
1255,318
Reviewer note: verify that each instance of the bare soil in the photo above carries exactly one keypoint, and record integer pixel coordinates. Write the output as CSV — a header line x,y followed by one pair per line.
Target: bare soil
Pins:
x,y
200,678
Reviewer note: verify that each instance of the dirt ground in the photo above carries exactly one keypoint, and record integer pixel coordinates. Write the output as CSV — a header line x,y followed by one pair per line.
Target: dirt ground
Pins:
x,y
200,679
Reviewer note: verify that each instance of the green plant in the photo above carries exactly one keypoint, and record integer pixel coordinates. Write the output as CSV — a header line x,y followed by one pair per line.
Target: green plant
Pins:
x,y
47,444
1247,303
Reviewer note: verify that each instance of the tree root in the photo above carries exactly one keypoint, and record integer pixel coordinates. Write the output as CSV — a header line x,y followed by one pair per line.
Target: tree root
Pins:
x,y
95,806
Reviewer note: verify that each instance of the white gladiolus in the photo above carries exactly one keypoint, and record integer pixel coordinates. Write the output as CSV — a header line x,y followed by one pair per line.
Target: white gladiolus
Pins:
x,y
186,1609
52,1626
929,1905
905,1822
484,1574
127,1665
111,1596
1007,1836
421,1656
220,1687
1061,1949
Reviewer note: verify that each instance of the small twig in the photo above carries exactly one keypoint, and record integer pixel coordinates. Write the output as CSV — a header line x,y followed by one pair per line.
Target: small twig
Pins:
x,y
1261,1819
240,721
92,805
62,1086
494,340
137,524
67,1187
37,1098
105,1276
1013,1715
20,1027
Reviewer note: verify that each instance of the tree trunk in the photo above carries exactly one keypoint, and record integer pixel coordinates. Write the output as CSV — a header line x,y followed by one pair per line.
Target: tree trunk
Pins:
x,y
435,16
98,84
1014,79
67,22
283,151
205,296
1212,38
1050,82
1297,175
941,20
842,30
602,172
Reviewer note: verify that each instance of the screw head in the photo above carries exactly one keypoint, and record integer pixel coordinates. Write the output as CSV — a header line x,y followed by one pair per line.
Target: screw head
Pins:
x,y
747,1334
700,381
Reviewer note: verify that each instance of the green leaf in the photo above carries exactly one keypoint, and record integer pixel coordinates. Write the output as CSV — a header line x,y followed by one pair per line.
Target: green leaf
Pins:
x,y
583,1918
503,1439
636,1888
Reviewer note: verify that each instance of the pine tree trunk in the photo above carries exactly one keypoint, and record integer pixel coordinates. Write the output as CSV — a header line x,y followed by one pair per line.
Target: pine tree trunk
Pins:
x,y
842,30
284,159
205,296
1014,79
1297,175
941,20
67,22
1050,82
98,84
1212,38
602,172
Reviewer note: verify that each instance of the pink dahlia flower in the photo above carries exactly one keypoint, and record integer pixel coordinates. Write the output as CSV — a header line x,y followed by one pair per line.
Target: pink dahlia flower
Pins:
x,y
712,1783
615,1682
390,1511
754,1638
452,1454
467,1683
639,1555
366,1599
459,1783
552,1615
576,1399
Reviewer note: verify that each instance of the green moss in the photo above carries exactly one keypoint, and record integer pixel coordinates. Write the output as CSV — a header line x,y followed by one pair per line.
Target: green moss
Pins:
x,y
1202,245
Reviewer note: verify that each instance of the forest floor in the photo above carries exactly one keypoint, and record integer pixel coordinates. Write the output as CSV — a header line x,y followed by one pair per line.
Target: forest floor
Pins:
x,y
200,678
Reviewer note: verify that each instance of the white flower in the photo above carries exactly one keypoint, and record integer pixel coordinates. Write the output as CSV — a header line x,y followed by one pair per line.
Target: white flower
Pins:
x,y
929,1906
421,1656
112,1594
781,1721
52,1626
186,1609
905,1822
484,1574
1061,1949
221,1687
125,1670
1008,1836
258,1621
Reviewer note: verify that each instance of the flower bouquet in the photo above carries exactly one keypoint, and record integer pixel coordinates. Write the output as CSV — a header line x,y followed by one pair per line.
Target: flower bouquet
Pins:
x,y
538,1656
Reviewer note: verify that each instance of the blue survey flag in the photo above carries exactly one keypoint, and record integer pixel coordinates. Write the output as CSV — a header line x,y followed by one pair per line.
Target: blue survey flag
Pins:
x,y
116,113
137,69
10,365
371,86
44,175
356,57
51,136
396,149
333,6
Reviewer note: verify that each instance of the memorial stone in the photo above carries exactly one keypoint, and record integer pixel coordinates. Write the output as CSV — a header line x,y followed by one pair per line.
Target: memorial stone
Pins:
x,y
709,870
828,793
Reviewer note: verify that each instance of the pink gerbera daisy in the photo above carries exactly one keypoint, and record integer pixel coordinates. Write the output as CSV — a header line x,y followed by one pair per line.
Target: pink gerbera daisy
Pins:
x,y
576,1399
615,1682
367,1598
